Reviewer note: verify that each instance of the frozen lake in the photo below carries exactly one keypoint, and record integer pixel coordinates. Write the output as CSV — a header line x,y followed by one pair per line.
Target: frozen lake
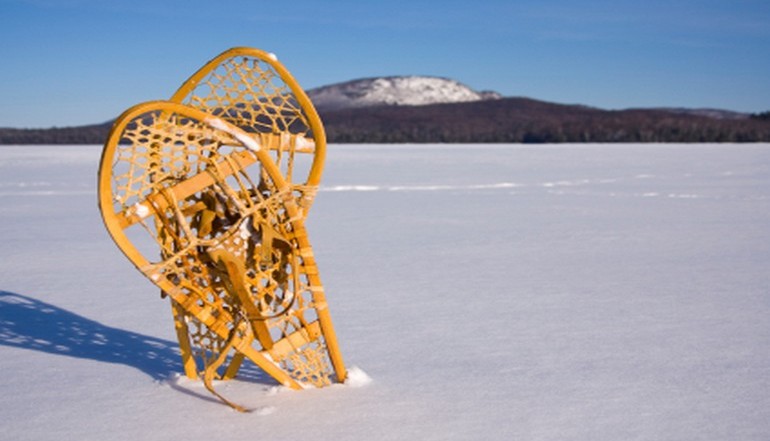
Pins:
x,y
507,292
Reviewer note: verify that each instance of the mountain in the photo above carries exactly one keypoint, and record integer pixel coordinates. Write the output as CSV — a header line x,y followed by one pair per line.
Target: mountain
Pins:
x,y
433,109
404,109
395,90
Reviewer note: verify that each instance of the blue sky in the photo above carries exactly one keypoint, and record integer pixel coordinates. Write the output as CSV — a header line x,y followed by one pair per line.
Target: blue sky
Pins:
x,y
73,62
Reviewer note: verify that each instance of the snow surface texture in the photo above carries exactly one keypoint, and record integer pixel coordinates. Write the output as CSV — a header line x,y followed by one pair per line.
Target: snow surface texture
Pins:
x,y
587,292
403,91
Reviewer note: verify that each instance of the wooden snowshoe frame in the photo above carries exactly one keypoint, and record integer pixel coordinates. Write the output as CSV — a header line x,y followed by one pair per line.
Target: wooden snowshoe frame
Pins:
x,y
207,195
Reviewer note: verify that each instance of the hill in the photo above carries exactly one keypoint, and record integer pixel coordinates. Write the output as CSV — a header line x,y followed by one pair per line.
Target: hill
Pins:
x,y
431,109
395,90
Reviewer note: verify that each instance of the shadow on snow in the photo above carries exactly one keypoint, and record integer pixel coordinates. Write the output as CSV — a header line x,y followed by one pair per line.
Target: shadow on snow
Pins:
x,y
28,323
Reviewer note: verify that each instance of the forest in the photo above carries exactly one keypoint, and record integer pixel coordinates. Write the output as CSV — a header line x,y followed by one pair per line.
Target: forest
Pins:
x,y
523,120
507,120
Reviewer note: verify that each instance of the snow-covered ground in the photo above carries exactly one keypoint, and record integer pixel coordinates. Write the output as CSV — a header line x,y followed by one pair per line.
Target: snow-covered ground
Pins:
x,y
617,292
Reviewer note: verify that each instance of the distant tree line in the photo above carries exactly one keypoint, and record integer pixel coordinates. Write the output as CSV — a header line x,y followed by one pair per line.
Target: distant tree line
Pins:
x,y
91,134
508,120
521,120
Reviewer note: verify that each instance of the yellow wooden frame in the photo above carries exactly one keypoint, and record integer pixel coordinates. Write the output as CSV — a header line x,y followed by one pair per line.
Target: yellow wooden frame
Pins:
x,y
156,203
316,126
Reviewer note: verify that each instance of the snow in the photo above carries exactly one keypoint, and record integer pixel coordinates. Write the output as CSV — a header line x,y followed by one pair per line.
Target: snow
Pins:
x,y
247,141
396,90
553,292
357,377
141,210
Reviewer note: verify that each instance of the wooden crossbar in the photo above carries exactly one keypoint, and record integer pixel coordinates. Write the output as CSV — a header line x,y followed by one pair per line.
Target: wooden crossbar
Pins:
x,y
185,189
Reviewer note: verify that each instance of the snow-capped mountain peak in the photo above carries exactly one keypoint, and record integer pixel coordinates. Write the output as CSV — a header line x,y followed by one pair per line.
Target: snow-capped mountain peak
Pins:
x,y
395,90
